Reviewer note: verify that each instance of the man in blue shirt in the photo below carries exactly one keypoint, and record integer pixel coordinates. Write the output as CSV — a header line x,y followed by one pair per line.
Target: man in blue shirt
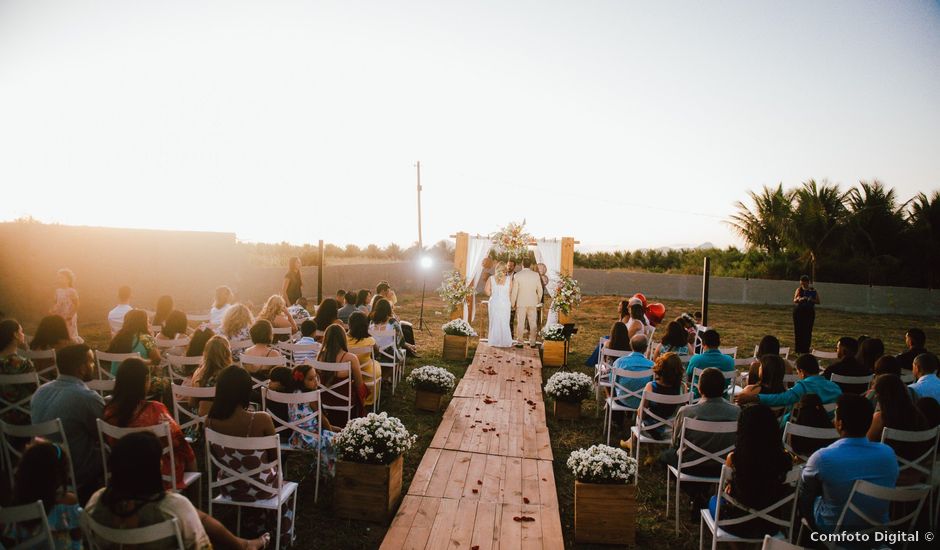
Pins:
x,y
925,371
831,472
635,361
67,397
711,357
807,366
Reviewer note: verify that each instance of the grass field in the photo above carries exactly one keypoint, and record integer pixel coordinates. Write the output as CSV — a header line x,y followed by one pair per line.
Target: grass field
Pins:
x,y
739,326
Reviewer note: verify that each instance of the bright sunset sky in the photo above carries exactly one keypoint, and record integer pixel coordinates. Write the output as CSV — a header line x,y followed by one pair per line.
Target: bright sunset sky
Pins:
x,y
620,123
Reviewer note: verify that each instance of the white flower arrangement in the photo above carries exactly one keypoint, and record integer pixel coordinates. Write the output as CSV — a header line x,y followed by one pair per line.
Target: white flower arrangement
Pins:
x,y
455,289
572,387
553,332
511,241
458,327
373,439
432,379
566,294
602,464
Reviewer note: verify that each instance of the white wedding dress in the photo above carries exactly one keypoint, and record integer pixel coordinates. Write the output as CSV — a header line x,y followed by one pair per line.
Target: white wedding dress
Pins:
x,y
499,335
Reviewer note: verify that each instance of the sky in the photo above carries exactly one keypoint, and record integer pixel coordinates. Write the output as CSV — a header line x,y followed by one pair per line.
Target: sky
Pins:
x,y
622,124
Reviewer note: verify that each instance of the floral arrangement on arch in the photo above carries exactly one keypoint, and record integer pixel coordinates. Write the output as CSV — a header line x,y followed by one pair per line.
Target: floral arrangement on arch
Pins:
x,y
511,241
571,387
373,439
455,289
566,294
432,379
458,327
602,464
553,332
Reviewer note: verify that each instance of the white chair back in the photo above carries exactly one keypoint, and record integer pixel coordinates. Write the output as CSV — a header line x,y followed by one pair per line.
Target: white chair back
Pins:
x,y
372,380
744,362
51,430
184,412
102,537
843,381
828,435
705,456
732,351
905,522
771,513
224,475
605,360
298,353
22,379
178,366
298,425
254,364
179,342
284,331
825,355
790,379
649,331
107,432
340,387
923,464
101,386
238,345
104,359
34,512
198,317
44,355
771,543
647,420
731,377
621,394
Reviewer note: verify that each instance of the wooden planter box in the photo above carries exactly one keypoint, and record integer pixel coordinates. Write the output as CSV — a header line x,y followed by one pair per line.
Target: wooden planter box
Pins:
x,y
553,353
456,347
428,401
566,410
604,513
368,492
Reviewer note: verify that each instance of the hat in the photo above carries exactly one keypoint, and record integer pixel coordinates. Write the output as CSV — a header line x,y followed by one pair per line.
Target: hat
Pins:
x,y
634,301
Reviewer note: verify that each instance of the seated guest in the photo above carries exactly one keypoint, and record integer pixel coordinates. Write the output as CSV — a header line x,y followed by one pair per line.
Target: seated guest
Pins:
x,y
134,337
636,361
915,340
42,475
327,314
811,413
340,298
116,315
230,415
886,364
925,372
11,362
281,380
236,323
616,340
335,349
358,337
895,409
364,300
667,380
129,408
675,341
623,311
298,311
869,350
68,398
929,407
198,341
308,330
163,310
262,337
760,468
712,407
848,364
769,345
383,319
807,367
135,497
275,312
174,328
216,357
769,376
384,290
224,299
637,322
711,357
52,333
304,379
831,472
348,309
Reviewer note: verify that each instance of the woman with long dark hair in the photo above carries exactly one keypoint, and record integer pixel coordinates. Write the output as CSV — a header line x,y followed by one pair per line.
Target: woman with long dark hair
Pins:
x,y
676,340
805,300
769,375
174,326
52,333
133,337
163,310
769,345
637,321
292,289
364,300
129,408
383,318
327,313
760,467
358,337
896,410
869,351
11,362
809,412
335,349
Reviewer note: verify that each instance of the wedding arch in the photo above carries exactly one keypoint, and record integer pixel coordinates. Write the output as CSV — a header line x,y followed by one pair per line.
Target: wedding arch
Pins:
x,y
470,251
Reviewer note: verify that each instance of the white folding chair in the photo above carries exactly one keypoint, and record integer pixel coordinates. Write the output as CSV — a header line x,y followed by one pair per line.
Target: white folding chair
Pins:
x,y
705,457
790,379
649,331
256,365
198,317
34,513
785,352
605,360
186,415
311,398
238,345
771,543
162,431
298,353
731,350
104,359
905,522
620,394
101,386
372,381
179,364
283,491
850,381
341,386
825,355
790,430
922,465
169,345
284,331
743,362
647,421
21,379
771,513
42,356
102,537
390,355
907,376
731,378
51,430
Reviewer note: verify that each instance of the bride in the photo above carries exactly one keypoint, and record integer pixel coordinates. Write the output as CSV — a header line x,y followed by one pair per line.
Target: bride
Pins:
x,y
498,288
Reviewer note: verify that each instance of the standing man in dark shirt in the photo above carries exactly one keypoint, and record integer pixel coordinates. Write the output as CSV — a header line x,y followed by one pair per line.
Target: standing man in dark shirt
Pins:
x,y
292,289
916,342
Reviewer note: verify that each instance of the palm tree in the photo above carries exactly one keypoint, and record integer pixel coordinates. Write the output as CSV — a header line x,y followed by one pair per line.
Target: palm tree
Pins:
x,y
818,218
764,227
877,224
924,219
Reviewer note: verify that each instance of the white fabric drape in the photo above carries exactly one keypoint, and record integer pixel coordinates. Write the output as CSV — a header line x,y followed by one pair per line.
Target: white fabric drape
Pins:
x,y
549,253
477,249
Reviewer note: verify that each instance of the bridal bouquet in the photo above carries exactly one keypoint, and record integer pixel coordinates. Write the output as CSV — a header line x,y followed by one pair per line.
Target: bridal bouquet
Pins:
x,y
571,387
512,240
602,464
373,439
566,294
432,379
455,289
458,327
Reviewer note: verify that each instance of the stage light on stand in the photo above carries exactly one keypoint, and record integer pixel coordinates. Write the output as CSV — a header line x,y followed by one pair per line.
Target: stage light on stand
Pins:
x,y
426,262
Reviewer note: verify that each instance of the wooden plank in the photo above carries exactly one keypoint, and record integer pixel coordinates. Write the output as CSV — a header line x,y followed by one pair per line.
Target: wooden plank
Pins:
x,y
457,478
462,535
401,525
486,526
421,526
530,483
438,482
548,494
443,524
419,483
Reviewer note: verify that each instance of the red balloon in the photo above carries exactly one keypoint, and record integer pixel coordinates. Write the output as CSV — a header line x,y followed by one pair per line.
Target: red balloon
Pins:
x,y
641,298
655,312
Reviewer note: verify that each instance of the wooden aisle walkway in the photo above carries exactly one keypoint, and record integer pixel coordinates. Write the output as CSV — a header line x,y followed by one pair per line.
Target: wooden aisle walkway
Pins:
x,y
486,481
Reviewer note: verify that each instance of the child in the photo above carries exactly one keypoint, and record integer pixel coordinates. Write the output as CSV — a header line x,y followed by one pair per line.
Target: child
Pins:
x,y
304,379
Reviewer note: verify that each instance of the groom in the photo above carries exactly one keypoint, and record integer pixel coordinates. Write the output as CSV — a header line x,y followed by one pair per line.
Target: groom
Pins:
x,y
526,295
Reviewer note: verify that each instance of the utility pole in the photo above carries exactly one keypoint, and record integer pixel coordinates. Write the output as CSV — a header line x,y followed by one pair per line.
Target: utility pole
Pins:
x,y
320,261
706,276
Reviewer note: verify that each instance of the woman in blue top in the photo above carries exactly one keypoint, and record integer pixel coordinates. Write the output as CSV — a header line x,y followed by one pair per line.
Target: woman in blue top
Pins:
x,y
804,314
675,341
135,337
